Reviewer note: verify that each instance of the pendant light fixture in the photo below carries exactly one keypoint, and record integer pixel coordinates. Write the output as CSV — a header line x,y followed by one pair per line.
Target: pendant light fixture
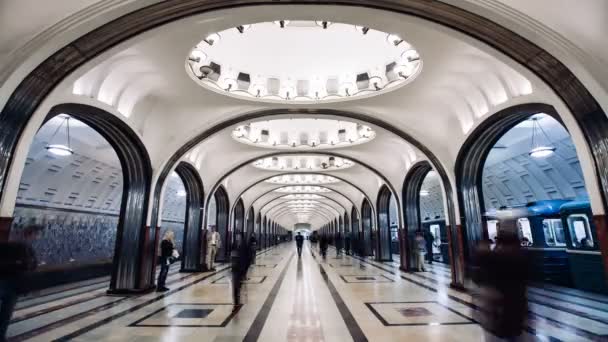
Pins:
x,y
61,149
539,148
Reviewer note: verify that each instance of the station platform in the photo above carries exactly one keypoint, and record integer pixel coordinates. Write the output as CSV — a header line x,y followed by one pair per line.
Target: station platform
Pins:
x,y
286,298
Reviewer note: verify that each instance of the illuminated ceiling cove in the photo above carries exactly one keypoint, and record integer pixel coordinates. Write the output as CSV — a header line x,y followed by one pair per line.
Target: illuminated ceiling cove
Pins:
x,y
303,162
303,189
302,202
303,133
300,178
302,61
302,197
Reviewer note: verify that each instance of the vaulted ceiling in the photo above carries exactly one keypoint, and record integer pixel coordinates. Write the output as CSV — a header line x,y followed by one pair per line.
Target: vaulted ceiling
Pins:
x,y
145,81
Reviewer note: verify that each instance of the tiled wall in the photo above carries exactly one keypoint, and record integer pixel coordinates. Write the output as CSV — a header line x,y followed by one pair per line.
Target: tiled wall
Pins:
x,y
75,201
66,237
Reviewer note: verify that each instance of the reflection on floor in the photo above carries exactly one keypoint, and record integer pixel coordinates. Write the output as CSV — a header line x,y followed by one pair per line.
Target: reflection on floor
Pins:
x,y
291,299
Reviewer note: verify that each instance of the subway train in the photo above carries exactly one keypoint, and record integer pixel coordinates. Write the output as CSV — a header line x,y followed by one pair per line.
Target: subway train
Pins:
x,y
436,235
561,240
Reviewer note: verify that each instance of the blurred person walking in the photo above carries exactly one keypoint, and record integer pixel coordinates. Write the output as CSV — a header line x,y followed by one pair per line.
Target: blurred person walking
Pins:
x,y
502,277
17,259
240,258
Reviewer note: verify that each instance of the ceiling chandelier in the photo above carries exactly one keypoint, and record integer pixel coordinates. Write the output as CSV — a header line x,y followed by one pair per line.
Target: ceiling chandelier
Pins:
x,y
303,189
303,163
540,148
300,178
424,193
303,133
218,62
58,148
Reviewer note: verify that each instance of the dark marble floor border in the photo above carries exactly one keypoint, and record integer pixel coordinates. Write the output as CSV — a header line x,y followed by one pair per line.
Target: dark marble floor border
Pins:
x,y
533,317
388,280
558,307
260,319
553,294
248,282
387,324
81,315
114,317
52,308
354,329
31,300
266,265
221,325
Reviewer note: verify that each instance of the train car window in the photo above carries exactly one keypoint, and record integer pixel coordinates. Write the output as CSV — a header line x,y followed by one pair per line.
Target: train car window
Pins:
x,y
435,232
394,234
554,232
492,230
525,231
580,231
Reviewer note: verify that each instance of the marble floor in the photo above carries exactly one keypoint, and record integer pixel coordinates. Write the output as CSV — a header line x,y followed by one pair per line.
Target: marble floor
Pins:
x,y
287,298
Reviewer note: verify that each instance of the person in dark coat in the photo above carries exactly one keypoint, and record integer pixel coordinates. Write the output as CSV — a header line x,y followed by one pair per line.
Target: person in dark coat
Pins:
x,y
241,260
299,244
17,259
338,244
502,278
347,243
323,244
167,245
429,238
253,248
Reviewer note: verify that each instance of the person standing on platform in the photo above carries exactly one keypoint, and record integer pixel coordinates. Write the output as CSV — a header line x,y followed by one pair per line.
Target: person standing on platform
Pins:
x,y
428,237
167,245
253,248
338,244
214,243
17,259
347,243
299,244
420,248
323,242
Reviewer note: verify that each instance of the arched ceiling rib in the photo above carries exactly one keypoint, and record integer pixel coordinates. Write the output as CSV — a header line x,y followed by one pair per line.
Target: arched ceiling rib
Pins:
x,y
143,80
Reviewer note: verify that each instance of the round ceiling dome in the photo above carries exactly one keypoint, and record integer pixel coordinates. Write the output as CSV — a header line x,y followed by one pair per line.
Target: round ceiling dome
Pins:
x,y
303,133
303,162
302,61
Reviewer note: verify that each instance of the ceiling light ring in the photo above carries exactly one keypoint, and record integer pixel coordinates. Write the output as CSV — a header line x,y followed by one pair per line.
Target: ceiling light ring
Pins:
x,y
310,145
538,149
59,149
307,95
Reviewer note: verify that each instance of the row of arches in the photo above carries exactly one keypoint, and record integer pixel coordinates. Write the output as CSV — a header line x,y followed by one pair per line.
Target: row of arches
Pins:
x,y
136,244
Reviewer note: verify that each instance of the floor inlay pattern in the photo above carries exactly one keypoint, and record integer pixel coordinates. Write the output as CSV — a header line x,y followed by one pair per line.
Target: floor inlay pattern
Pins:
x,y
190,315
416,313
352,279
287,298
